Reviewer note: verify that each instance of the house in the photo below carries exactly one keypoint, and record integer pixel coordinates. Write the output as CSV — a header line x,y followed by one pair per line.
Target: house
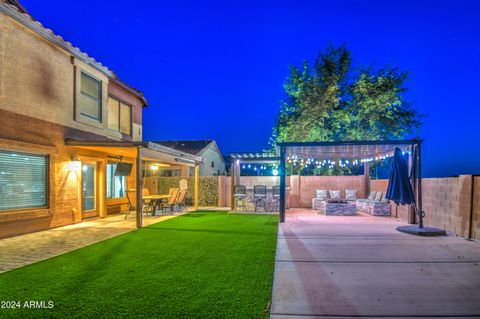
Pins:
x,y
66,124
213,162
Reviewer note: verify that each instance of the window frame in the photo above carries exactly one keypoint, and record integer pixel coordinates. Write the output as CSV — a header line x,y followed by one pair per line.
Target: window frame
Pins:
x,y
113,183
47,182
130,106
100,100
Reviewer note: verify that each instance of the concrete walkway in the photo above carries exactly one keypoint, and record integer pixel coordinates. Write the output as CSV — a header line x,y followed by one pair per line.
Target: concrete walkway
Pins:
x,y
27,249
350,267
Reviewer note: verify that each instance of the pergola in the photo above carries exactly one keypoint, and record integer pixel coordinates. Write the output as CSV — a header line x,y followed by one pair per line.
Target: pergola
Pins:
x,y
350,153
238,158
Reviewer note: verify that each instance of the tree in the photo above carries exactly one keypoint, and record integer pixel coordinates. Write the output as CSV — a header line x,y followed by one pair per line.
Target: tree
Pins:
x,y
332,101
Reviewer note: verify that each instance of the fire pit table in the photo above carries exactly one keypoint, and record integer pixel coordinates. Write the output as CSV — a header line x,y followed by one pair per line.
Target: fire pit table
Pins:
x,y
338,208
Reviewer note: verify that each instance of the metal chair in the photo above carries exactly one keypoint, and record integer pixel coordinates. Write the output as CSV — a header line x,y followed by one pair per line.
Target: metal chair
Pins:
x,y
240,196
260,196
276,197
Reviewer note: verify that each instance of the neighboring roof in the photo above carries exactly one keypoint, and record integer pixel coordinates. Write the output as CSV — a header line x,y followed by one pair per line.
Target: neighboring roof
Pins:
x,y
16,11
195,147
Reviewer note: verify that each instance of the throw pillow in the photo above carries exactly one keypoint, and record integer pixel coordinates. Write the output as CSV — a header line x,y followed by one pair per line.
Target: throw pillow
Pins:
x,y
322,194
334,194
378,196
372,195
351,194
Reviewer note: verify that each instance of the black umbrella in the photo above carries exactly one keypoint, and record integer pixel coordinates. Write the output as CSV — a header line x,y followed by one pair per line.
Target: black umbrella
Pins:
x,y
399,187
400,191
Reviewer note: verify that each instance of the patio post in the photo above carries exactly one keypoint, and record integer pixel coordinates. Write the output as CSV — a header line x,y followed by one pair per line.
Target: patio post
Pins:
x,y
232,184
139,185
366,175
196,188
282,185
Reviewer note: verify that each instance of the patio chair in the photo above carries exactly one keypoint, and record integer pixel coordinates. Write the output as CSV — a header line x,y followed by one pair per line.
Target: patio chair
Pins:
x,y
130,196
148,205
180,201
260,196
240,197
171,201
276,197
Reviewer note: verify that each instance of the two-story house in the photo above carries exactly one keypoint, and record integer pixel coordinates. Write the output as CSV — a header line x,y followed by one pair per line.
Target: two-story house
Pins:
x,y
66,122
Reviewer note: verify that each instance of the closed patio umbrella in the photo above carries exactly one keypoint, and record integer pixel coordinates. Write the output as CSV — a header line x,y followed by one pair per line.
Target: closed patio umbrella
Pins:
x,y
400,191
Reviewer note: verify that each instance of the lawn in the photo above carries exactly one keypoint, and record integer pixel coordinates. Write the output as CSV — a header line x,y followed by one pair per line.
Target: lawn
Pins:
x,y
199,265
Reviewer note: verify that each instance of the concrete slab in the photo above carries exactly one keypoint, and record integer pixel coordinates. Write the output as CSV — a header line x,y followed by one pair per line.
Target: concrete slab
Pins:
x,y
352,267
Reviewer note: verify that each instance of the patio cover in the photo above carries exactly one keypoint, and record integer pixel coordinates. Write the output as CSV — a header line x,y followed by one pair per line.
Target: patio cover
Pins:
x,y
364,151
141,150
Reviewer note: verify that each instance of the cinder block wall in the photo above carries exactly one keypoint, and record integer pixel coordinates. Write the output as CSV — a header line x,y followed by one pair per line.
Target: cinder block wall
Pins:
x,y
447,203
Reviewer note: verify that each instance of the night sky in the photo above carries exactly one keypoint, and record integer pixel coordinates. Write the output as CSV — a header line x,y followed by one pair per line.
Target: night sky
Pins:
x,y
215,69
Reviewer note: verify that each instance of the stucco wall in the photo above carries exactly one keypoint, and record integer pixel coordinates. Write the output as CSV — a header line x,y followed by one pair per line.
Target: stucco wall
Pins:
x,y
39,80
211,155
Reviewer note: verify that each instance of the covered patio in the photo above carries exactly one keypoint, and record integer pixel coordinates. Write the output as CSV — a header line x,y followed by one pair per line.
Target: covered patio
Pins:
x,y
142,156
349,154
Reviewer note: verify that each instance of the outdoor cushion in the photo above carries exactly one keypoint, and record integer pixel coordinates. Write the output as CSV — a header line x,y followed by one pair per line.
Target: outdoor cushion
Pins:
x,y
372,195
322,194
378,196
384,197
334,194
351,194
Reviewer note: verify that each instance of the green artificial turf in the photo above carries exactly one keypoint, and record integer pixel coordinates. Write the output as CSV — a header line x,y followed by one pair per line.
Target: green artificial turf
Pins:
x,y
199,265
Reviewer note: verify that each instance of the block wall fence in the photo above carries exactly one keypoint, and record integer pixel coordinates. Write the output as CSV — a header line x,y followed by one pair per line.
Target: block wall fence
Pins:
x,y
451,203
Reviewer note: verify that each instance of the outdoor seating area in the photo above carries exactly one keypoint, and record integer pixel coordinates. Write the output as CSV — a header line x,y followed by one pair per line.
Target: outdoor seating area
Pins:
x,y
256,198
174,201
346,203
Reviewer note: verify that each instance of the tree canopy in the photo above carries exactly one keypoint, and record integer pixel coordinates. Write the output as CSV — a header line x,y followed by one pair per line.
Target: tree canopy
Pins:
x,y
332,101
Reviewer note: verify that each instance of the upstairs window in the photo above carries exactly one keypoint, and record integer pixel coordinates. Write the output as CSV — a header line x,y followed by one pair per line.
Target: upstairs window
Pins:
x,y
23,180
90,102
119,116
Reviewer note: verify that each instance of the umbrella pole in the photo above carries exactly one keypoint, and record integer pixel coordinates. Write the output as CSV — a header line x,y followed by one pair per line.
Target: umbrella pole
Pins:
x,y
419,187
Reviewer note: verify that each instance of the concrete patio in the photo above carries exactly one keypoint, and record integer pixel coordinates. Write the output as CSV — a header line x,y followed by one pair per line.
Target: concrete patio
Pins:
x,y
360,266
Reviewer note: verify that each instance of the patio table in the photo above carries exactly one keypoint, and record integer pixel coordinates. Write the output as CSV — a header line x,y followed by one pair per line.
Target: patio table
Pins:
x,y
155,199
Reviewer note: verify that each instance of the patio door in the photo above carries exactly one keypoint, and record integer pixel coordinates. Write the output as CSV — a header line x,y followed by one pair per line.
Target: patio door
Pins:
x,y
89,190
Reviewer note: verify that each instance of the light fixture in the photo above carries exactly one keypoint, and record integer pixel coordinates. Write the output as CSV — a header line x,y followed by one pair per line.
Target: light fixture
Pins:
x,y
275,172
74,164
154,167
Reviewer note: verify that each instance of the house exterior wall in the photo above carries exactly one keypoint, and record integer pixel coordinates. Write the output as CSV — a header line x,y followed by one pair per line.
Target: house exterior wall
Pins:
x,y
210,156
38,85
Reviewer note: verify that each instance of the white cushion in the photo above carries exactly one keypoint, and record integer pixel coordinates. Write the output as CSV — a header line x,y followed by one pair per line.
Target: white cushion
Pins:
x,y
322,194
351,194
372,195
378,196
334,194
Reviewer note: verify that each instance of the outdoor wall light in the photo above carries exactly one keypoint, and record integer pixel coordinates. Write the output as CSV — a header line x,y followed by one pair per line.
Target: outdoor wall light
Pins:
x,y
74,164
154,167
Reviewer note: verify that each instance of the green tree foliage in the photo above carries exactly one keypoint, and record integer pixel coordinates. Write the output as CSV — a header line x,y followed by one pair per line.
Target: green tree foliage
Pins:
x,y
332,101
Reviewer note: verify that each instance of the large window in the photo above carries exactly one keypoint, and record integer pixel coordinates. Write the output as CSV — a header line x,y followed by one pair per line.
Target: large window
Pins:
x,y
23,180
116,185
119,116
90,101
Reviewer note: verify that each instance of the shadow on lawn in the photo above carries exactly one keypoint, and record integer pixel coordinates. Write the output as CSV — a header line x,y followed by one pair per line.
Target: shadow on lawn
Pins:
x,y
212,231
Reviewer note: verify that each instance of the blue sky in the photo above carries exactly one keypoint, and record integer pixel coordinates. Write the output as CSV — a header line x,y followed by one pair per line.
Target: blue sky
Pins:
x,y
215,69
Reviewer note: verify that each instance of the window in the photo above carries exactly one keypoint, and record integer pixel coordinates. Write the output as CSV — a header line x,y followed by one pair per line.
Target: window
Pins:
x,y
116,185
119,116
90,101
23,180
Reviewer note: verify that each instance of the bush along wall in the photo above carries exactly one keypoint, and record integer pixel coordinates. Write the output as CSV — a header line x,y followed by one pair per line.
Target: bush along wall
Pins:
x,y
208,188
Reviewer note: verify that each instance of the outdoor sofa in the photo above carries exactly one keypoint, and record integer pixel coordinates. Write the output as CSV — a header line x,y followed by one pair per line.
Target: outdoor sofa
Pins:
x,y
376,204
